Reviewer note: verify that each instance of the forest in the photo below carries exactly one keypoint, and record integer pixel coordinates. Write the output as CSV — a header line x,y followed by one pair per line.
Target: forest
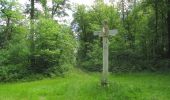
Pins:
x,y
43,56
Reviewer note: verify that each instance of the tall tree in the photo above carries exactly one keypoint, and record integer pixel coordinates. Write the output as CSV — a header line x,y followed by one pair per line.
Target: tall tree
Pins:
x,y
6,15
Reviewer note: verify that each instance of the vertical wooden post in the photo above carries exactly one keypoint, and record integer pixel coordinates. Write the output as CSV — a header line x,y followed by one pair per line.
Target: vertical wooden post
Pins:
x,y
104,34
104,81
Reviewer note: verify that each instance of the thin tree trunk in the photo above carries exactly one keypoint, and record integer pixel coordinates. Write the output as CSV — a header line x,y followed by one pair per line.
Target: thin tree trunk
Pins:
x,y
7,29
53,8
32,9
156,16
123,10
32,42
168,22
32,26
155,37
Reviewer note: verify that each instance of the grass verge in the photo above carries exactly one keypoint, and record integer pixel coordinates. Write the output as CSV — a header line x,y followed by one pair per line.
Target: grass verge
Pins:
x,y
86,86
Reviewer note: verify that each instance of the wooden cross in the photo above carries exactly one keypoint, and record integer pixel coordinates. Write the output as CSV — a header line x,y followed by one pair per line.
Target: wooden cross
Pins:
x,y
104,34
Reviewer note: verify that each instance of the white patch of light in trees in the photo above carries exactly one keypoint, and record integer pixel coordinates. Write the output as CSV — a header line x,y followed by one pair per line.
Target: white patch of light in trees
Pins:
x,y
69,18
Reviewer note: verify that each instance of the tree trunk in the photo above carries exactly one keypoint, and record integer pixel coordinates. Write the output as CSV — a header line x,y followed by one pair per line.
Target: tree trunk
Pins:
x,y
32,10
52,12
32,26
168,21
123,9
7,33
32,34
156,16
156,36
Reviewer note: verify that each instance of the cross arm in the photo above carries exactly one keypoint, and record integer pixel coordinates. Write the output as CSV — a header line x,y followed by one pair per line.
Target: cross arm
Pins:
x,y
97,33
113,32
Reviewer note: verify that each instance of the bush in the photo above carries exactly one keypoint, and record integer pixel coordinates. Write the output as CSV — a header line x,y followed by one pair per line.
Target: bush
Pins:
x,y
93,60
125,61
12,72
53,55
54,48
14,58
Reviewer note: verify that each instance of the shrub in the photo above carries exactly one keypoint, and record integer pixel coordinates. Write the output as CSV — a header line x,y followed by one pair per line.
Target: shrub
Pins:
x,y
54,48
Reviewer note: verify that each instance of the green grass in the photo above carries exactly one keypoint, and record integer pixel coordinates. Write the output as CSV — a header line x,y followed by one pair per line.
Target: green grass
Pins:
x,y
86,86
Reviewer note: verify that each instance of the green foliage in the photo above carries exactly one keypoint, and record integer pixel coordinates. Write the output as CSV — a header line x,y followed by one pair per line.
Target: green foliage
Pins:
x,y
14,59
53,51
10,15
54,48
94,57
140,44
13,45
90,48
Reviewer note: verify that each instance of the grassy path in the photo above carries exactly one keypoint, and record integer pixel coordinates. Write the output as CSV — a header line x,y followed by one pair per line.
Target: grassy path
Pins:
x,y
83,86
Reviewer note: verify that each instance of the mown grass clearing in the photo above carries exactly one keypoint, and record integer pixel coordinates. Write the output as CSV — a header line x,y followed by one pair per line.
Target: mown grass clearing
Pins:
x,y
86,86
